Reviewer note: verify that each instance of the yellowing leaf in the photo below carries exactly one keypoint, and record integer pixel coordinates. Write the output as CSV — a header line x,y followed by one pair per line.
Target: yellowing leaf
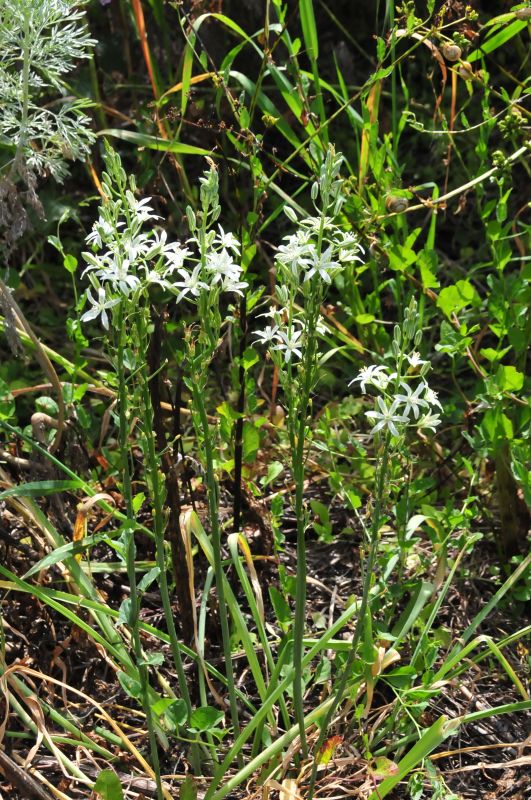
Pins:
x,y
328,750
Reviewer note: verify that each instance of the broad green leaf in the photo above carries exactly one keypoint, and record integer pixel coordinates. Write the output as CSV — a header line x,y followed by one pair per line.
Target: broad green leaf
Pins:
x,y
364,319
509,379
493,355
249,358
353,498
205,718
7,402
251,442
138,499
496,426
70,263
124,612
280,607
130,685
176,714
152,660
454,298
428,278
401,257
274,468
47,405
161,705
108,785
148,579
228,412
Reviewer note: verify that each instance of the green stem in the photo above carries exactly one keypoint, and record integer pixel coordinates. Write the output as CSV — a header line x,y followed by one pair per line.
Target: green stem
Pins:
x,y
297,439
364,609
130,547
152,467
213,512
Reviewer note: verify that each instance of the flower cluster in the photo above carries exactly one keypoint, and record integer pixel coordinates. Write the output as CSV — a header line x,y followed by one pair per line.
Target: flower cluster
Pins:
x,y
300,259
400,403
307,261
129,255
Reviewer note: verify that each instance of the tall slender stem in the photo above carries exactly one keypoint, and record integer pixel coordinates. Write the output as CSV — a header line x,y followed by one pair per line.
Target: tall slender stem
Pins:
x,y
130,547
152,464
297,437
213,511
298,442
364,607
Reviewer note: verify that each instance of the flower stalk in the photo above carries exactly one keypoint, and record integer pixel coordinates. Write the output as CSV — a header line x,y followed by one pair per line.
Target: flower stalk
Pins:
x,y
130,546
307,264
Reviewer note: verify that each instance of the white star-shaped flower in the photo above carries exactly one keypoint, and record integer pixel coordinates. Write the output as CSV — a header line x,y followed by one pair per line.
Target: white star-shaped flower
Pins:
x,y
323,266
412,400
374,375
290,344
386,417
99,307
191,283
269,334
415,360
429,421
227,240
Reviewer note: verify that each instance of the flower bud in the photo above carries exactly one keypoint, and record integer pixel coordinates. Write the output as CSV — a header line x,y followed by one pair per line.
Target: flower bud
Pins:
x,y
397,334
290,213
192,224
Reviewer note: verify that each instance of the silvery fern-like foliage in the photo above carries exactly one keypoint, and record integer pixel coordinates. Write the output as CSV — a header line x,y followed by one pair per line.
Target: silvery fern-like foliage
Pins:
x,y
40,129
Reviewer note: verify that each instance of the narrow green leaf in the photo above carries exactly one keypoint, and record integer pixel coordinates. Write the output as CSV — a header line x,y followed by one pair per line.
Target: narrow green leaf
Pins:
x,y
188,789
188,60
431,739
309,28
41,488
66,551
155,143
498,39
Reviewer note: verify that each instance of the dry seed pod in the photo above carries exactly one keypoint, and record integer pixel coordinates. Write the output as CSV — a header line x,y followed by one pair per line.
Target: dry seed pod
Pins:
x,y
451,52
466,71
396,205
523,13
